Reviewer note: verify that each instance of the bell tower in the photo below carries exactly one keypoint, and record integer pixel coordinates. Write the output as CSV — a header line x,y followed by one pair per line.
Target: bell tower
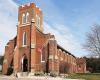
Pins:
x,y
29,12
29,19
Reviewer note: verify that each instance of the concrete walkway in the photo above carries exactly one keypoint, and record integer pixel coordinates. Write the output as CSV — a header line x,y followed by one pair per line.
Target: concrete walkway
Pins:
x,y
34,78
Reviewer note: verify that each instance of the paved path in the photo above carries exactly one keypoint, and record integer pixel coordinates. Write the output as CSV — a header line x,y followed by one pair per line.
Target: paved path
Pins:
x,y
34,78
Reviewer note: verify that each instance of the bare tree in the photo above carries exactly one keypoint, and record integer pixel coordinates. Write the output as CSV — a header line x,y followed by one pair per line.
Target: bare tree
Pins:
x,y
93,40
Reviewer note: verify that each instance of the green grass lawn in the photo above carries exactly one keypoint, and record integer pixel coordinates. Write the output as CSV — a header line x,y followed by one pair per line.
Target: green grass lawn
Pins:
x,y
86,76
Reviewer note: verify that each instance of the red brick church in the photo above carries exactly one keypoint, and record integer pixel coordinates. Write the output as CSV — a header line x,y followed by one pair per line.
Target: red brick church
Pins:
x,y
36,52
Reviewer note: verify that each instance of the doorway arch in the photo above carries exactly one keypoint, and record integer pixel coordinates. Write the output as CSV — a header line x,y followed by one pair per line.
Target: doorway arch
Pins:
x,y
24,64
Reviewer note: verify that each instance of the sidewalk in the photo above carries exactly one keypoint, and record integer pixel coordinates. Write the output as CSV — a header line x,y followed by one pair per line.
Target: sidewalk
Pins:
x,y
34,78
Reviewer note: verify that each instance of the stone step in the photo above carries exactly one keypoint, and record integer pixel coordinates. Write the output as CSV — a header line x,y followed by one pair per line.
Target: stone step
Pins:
x,y
22,74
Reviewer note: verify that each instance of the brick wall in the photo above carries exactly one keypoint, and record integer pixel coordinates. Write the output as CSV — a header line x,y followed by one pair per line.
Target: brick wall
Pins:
x,y
8,56
41,50
81,65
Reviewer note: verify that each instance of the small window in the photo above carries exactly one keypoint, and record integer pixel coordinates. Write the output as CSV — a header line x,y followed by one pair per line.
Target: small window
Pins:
x,y
27,17
24,38
23,18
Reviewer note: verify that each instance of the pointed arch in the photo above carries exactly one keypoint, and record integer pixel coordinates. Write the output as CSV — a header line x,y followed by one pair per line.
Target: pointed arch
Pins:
x,y
24,63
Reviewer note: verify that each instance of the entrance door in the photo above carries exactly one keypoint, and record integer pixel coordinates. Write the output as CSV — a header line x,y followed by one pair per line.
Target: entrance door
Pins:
x,y
25,65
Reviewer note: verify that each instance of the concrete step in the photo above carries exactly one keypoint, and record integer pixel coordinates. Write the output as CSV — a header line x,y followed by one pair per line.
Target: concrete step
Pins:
x,y
22,74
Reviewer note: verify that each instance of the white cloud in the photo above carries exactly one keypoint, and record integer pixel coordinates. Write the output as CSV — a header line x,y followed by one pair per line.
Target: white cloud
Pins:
x,y
65,38
8,20
55,23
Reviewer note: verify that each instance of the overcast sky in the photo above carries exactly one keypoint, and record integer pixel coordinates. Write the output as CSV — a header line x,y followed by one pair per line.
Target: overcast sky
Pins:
x,y
68,20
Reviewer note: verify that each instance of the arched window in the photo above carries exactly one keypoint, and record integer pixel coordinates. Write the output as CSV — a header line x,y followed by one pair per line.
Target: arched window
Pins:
x,y
23,18
27,17
24,38
38,21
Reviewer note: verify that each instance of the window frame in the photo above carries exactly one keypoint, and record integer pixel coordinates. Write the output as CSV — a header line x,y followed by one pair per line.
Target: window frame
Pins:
x,y
27,17
23,18
24,43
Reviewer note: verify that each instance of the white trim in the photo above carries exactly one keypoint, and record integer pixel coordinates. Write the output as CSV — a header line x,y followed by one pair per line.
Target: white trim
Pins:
x,y
25,24
42,58
50,56
33,45
24,46
33,20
